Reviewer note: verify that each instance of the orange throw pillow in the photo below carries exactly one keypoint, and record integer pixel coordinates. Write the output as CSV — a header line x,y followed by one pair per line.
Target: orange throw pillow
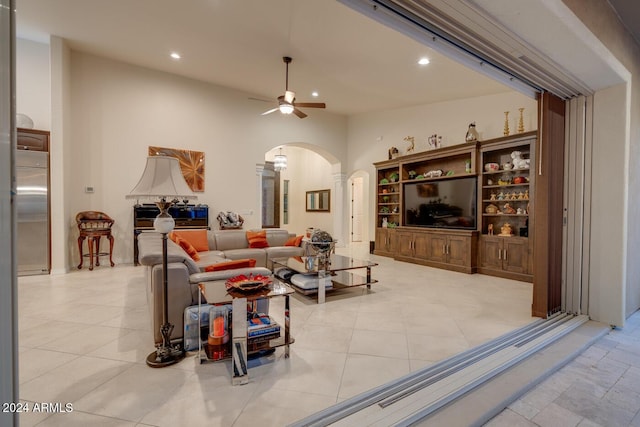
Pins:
x,y
230,265
294,241
257,239
188,248
197,238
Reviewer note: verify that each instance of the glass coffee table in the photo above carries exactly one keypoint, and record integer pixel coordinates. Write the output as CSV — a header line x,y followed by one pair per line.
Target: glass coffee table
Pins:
x,y
341,270
239,345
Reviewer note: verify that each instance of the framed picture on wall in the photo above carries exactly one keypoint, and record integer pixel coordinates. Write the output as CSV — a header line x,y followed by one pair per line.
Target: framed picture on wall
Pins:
x,y
319,201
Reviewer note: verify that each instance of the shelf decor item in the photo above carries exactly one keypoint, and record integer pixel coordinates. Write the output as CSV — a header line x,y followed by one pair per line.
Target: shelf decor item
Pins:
x,y
472,133
521,121
506,230
506,124
412,145
162,180
491,167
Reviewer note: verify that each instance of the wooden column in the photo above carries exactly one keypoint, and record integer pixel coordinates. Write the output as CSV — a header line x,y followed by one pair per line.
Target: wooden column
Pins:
x,y
547,244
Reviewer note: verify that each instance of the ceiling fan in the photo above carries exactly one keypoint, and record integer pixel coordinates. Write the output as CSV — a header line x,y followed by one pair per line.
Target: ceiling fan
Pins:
x,y
286,102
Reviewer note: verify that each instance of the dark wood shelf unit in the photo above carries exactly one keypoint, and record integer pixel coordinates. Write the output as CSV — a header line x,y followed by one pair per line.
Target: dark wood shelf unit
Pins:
x,y
466,251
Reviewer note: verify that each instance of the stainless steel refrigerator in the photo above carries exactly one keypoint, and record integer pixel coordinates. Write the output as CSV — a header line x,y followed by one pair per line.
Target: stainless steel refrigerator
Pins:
x,y
32,207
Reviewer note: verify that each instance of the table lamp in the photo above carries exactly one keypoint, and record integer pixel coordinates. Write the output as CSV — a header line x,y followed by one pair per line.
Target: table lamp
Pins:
x,y
162,181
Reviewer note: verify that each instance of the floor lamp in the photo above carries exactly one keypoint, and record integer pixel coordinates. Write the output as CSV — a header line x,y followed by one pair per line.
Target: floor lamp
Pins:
x,y
162,181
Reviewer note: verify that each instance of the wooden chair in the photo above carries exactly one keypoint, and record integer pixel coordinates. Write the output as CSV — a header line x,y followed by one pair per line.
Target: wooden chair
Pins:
x,y
93,225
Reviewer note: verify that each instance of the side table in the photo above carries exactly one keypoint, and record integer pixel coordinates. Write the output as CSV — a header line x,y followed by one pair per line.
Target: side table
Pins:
x,y
216,293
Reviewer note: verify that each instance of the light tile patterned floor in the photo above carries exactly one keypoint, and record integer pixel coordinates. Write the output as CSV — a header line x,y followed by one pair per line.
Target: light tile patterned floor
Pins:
x,y
601,387
84,337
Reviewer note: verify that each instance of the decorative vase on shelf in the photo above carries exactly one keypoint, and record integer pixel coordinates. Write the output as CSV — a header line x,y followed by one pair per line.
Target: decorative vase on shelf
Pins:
x,y
521,121
472,133
506,124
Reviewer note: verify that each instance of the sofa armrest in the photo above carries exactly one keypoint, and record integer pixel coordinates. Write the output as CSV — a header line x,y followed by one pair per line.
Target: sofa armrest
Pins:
x,y
227,274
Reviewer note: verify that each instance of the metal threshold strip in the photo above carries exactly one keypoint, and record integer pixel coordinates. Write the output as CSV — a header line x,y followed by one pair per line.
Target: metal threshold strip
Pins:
x,y
409,399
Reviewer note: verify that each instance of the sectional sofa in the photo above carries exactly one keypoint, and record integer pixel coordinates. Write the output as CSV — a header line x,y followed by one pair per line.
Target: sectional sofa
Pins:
x,y
184,273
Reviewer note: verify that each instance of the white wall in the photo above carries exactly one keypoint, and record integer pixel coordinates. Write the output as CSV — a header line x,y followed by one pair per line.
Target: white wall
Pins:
x,y
33,82
615,294
371,134
119,110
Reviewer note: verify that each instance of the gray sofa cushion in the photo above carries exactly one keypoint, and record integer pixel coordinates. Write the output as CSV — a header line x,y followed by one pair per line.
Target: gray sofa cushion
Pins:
x,y
258,254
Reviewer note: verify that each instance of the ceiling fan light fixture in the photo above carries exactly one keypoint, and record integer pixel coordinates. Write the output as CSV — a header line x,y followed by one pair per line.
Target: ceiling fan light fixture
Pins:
x,y
286,108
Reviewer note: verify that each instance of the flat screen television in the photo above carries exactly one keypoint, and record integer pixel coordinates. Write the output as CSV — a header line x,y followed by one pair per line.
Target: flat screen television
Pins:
x,y
447,203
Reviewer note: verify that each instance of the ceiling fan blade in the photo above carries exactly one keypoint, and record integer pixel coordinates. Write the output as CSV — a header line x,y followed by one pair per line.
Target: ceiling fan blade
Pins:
x,y
270,111
299,113
311,104
260,99
289,96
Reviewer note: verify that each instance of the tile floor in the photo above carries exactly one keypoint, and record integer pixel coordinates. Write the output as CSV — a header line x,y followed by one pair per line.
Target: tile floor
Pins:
x,y
600,387
84,337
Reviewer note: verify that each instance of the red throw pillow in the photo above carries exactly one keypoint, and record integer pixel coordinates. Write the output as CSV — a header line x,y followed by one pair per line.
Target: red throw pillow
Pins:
x,y
294,241
188,248
230,265
257,239
197,238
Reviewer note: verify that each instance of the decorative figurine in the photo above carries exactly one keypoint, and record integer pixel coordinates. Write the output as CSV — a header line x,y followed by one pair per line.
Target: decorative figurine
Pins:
x,y
507,209
393,153
434,173
385,223
506,124
501,196
526,197
521,121
490,229
519,211
412,145
472,133
505,230
412,174
521,196
492,196
518,161
435,141
491,209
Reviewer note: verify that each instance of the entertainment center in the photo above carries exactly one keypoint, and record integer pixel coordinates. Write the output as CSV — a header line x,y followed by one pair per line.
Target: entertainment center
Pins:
x,y
466,208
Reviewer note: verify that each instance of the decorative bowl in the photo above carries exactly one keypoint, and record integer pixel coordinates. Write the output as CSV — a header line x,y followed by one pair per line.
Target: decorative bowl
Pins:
x,y
507,166
491,167
247,284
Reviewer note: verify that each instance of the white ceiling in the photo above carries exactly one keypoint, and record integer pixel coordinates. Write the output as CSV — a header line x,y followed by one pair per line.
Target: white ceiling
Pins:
x,y
356,64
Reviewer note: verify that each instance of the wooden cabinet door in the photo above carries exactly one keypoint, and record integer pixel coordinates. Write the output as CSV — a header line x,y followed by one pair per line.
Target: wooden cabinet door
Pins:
x,y
420,245
34,140
459,250
515,255
490,250
437,248
404,243
381,239
391,241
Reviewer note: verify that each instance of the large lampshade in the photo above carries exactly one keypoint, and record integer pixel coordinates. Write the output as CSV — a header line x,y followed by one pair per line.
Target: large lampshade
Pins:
x,y
162,178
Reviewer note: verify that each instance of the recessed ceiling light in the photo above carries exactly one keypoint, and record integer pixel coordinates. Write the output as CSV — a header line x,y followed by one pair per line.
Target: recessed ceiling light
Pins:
x,y
175,55
423,61
315,94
